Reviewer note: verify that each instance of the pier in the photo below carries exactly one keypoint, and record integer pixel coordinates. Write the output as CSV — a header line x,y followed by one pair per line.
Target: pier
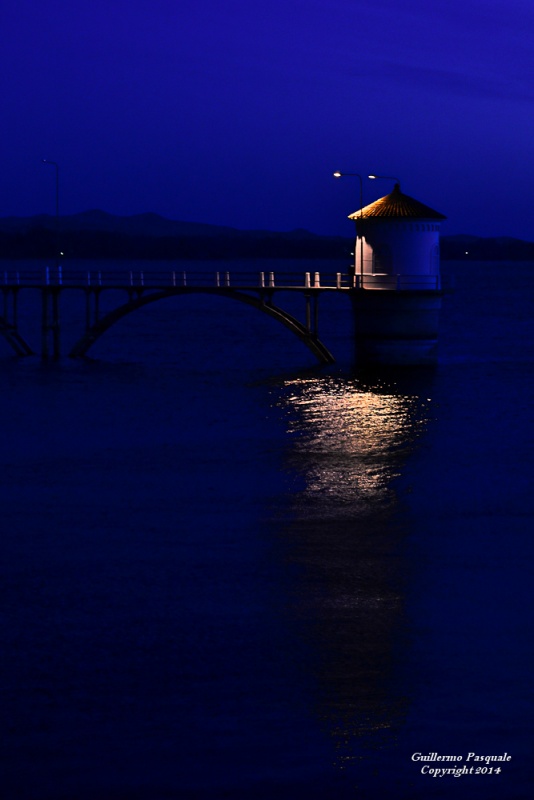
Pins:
x,y
143,287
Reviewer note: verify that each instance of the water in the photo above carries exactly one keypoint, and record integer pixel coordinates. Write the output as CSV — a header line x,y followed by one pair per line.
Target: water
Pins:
x,y
230,573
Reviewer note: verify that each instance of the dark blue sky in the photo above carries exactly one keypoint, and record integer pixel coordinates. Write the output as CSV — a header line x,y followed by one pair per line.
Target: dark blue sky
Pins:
x,y
237,113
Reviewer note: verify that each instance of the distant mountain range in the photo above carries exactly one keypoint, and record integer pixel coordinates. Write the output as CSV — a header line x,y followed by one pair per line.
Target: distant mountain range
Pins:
x,y
148,224
97,234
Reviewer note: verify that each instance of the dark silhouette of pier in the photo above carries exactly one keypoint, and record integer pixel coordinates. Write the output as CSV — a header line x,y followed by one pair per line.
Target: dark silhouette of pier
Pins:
x,y
140,288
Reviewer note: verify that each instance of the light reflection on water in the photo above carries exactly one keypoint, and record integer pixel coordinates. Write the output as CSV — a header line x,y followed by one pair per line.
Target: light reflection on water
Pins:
x,y
344,547
350,439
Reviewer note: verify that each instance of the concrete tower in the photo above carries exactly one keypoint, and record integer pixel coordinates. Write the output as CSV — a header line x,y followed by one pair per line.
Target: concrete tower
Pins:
x,y
398,285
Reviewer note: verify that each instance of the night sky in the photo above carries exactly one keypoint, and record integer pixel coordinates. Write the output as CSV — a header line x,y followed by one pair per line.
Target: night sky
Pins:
x,y
237,113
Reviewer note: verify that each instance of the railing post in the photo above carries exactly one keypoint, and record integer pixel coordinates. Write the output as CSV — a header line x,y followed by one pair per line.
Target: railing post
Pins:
x,y
141,278
262,280
271,278
227,279
317,279
99,278
60,275
338,280
306,280
47,276
355,281
131,278
174,278
184,279
217,279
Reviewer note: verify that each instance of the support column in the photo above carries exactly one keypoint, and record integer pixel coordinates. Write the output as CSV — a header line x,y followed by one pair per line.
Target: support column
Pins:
x,y
55,324
15,308
87,309
50,322
44,323
316,315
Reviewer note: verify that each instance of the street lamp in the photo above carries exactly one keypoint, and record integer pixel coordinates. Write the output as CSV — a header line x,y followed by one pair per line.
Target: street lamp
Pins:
x,y
356,175
56,165
385,178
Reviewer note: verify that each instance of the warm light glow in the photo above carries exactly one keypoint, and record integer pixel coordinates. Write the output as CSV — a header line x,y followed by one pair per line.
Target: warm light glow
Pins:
x,y
357,436
372,177
350,439
337,174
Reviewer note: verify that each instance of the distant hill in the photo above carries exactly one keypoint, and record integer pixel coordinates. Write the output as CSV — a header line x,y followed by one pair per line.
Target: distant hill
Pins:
x,y
148,224
96,220
473,248
97,234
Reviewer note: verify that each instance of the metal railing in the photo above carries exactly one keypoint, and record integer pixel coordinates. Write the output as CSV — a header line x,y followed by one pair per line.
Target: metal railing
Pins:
x,y
223,279
398,282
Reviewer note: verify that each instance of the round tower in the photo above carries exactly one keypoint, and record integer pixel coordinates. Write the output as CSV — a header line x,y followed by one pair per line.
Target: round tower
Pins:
x,y
397,281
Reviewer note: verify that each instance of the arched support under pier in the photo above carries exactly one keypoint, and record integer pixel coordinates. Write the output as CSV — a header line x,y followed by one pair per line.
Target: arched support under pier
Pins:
x,y
305,333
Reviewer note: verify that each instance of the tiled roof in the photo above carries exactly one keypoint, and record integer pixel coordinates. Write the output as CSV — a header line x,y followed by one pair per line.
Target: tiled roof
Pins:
x,y
397,205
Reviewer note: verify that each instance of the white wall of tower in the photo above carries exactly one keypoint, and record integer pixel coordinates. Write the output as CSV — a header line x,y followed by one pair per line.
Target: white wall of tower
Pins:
x,y
397,247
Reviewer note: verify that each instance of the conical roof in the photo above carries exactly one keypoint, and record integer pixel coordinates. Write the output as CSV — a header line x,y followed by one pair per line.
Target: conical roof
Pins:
x,y
397,205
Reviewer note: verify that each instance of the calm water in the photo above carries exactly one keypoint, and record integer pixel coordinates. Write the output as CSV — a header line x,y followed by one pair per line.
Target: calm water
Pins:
x,y
228,573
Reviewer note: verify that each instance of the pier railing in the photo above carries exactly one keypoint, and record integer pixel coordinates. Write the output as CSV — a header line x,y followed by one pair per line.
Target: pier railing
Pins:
x,y
170,279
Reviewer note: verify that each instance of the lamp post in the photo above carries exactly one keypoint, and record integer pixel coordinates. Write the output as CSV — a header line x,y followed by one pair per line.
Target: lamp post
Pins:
x,y
385,178
56,165
356,175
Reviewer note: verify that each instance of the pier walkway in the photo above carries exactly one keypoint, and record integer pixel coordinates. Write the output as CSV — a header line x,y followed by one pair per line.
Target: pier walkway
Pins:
x,y
146,286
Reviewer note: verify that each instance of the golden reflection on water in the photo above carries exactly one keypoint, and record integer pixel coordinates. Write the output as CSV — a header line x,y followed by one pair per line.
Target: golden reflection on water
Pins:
x,y
344,547
352,438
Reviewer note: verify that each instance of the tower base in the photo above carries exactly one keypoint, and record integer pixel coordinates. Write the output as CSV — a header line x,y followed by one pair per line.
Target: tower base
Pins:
x,y
396,327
